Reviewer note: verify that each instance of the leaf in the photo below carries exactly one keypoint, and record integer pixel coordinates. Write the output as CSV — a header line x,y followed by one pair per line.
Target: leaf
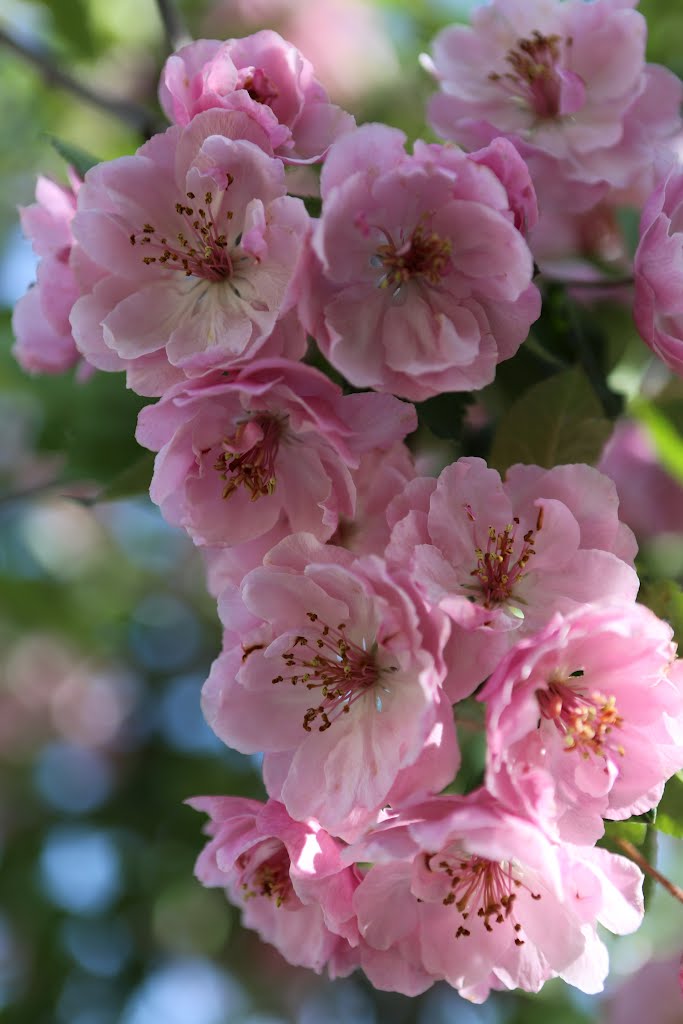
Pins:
x,y
665,599
670,809
632,831
314,205
74,155
663,432
133,480
558,420
444,414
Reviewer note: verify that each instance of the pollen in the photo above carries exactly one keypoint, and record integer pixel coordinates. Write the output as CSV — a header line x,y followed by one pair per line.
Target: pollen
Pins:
x,y
504,561
585,719
483,892
425,255
199,247
253,466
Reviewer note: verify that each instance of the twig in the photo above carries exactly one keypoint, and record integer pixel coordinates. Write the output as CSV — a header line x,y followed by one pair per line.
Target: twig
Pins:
x,y
610,402
138,117
636,856
174,26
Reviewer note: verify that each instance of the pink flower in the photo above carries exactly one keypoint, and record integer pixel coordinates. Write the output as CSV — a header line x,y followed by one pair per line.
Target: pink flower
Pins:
x,y
418,280
593,704
264,76
354,58
567,79
501,557
658,266
381,475
331,666
44,343
650,499
473,894
201,246
287,877
240,451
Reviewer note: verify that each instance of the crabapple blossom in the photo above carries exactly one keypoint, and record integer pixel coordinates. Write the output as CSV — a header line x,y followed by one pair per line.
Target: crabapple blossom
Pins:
x,y
355,58
593,704
201,246
332,667
240,451
658,269
650,499
44,342
564,78
462,889
263,75
500,557
287,877
418,280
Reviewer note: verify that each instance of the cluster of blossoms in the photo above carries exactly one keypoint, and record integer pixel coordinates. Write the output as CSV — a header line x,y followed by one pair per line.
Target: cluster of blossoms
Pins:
x,y
363,602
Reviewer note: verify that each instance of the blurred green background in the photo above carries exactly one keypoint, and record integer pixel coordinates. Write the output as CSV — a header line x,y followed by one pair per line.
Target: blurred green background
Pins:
x,y
107,631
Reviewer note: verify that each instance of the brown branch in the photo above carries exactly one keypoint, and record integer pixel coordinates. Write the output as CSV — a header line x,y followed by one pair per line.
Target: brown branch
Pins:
x,y
636,856
175,29
138,117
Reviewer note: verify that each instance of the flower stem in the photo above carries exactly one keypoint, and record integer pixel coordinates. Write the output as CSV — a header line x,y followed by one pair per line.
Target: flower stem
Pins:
x,y
176,31
636,856
138,117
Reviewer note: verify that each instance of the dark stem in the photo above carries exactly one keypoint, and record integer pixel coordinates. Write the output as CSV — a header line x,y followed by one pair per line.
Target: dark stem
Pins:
x,y
634,854
142,120
174,25
606,282
610,402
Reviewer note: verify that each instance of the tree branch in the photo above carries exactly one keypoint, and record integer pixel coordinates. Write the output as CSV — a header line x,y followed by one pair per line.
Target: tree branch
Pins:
x,y
138,117
634,854
176,31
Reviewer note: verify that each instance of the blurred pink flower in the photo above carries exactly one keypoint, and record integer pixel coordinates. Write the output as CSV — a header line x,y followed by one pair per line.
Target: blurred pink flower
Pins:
x,y
658,265
650,500
44,342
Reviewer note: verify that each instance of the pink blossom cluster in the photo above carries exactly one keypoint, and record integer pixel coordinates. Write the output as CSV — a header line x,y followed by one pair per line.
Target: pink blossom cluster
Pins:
x,y
362,603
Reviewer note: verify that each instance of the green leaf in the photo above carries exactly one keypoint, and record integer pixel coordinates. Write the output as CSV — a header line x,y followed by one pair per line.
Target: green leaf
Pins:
x,y
665,599
444,414
133,480
313,204
558,420
632,831
670,809
73,24
74,155
664,433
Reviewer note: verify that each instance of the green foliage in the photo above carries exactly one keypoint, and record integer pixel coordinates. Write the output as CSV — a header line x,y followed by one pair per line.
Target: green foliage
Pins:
x,y
444,414
670,809
73,155
558,420
665,599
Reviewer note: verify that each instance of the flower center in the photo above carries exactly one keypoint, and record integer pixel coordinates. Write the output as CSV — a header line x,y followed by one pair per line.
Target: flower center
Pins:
x,y
584,719
497,568
248,457
425,254
534,78
479,888
340,671
256,82
199,249
265,872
